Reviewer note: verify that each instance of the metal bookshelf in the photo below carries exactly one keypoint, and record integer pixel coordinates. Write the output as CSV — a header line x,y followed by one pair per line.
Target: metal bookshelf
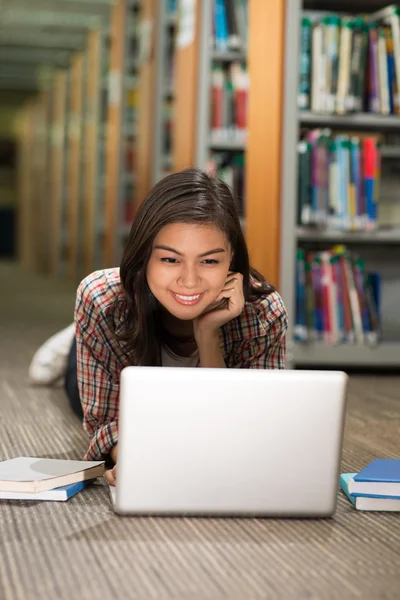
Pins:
x,y
226,144
379,236
346,355
386,354
207,55
166,29
353,121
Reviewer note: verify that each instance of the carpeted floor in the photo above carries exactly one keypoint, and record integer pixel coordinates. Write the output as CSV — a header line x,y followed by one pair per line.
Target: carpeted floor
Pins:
x,y
81,550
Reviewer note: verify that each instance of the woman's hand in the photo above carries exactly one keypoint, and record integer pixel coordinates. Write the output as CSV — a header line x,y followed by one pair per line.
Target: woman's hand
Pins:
x,y
226,307
111,475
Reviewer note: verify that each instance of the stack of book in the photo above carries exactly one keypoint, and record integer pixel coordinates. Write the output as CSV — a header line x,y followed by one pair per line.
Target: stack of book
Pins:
x,y
338,180
375,488
351,63
229,166
29,478
229,95
337,301
230,24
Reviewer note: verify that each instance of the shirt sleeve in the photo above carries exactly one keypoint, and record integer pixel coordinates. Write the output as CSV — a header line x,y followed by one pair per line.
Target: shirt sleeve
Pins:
x,y
98,375
267,351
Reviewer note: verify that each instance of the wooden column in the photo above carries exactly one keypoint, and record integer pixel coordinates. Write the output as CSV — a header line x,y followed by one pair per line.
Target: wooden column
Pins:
x,y
263,156
43,115
57,169
114,132
74,163
146,103
185,106
91,142
25,187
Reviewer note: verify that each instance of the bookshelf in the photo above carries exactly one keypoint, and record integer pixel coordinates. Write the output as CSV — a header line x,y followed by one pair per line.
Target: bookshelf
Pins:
x,y
113,133
378,246
57,167
91,152
74,164
164,99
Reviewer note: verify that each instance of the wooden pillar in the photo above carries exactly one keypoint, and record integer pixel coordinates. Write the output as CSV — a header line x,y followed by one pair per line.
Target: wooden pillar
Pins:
x,y
43,116
91,142
146,103
113,133
57,169
185,105
25,187
263,156
74,163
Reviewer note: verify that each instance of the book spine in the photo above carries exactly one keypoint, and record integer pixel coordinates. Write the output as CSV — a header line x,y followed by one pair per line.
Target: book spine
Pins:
x,y
220,25
354,301
391,74
300,329
316,96
344,65
383,73
395,25
310,301
333,60
355,65
374,105
318,297
304,92
369,180
234,42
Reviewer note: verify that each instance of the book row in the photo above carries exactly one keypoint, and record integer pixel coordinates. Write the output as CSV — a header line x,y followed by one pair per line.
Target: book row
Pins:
x,y
350,63
337,299
338,180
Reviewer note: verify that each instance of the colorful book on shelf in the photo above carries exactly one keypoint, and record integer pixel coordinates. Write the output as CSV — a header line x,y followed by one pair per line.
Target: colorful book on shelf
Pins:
x,y
339,180
371,502
381,478
229,92
33,475
59,494
335,300
339,54
304,91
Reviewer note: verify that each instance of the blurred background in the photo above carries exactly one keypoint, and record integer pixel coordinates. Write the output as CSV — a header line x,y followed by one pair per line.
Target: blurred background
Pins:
x,y
295,104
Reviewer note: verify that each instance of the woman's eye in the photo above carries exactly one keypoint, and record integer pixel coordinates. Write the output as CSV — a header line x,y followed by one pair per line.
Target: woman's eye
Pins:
x,y
169,260
210,261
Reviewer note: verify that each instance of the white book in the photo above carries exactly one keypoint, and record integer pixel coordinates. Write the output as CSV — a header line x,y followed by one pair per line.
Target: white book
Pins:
x,y
60,494
33,475
383,75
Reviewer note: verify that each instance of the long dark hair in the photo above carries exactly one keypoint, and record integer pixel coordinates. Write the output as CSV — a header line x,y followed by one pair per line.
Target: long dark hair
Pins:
x,y
189,196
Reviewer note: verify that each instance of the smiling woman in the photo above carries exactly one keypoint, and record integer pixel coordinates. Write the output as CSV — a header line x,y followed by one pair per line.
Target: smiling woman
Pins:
x,y
185,295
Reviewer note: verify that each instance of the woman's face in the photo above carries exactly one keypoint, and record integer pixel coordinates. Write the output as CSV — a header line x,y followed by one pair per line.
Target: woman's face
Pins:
x,y
188,268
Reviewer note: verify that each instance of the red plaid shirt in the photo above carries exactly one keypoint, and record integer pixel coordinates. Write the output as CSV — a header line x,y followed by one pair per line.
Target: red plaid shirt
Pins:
x,y
254,340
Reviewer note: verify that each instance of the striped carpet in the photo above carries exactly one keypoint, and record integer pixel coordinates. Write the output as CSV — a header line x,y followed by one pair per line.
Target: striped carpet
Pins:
x,y
81,550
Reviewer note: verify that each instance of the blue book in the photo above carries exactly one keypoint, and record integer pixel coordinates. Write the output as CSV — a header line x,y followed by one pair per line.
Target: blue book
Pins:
x,y
363,502
220,26
381,478
60,494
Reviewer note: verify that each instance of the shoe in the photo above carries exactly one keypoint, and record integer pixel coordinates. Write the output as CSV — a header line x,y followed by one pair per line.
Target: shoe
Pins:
x,y
49,363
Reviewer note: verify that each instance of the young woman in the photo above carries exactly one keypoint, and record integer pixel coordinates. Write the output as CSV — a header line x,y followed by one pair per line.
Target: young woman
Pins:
x,y
184,295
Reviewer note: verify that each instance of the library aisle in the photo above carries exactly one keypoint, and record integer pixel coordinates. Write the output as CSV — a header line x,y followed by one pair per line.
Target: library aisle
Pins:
x,y
61,548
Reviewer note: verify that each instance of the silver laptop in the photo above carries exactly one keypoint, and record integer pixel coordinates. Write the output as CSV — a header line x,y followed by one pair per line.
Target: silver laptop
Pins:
x,y
229,442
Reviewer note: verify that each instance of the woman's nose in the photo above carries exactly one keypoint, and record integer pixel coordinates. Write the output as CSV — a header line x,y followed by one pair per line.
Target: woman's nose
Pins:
x,y
188,277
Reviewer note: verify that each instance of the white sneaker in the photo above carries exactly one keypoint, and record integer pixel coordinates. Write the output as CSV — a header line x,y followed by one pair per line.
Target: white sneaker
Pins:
x,y
49,363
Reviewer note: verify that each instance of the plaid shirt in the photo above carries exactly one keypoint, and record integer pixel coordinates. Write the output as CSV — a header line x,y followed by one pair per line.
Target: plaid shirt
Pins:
x,y
254,340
